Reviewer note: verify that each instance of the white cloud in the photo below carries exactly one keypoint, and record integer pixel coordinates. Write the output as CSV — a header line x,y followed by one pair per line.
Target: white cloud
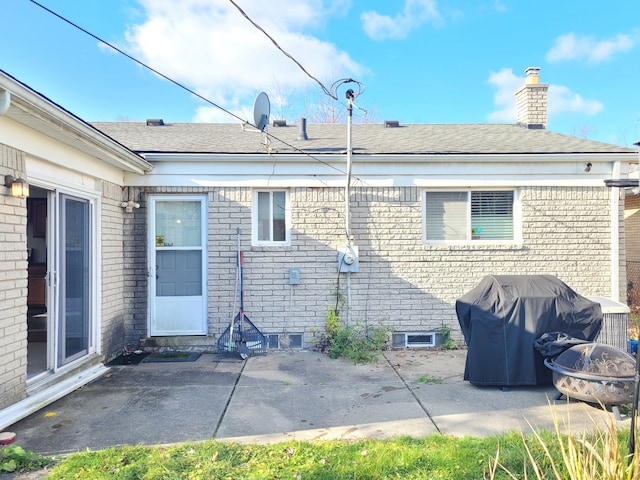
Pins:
x,y
573,47
414,14
211,48
560,99
505,83
563,100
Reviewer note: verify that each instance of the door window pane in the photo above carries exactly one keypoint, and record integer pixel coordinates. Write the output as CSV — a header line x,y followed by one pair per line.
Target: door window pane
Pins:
x,y
178,224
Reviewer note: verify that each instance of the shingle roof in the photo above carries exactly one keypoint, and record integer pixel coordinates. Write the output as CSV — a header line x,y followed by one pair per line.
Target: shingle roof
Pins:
x,y
366,139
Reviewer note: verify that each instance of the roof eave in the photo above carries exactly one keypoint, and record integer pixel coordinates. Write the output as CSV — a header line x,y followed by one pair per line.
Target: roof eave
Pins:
x,y
34,110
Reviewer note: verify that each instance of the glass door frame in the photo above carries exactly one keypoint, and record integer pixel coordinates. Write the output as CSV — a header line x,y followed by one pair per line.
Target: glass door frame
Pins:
x,y
55,275
83,246
200,327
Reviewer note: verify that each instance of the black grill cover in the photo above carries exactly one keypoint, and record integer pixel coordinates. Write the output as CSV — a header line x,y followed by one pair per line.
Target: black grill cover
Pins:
x,y
503,316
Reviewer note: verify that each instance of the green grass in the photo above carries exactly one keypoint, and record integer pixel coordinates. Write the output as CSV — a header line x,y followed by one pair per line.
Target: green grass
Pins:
x,y
601,454
427,378
436,457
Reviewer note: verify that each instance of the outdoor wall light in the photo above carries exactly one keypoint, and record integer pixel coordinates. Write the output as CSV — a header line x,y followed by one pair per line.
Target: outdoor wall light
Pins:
x,y
19,187
587,167
129,206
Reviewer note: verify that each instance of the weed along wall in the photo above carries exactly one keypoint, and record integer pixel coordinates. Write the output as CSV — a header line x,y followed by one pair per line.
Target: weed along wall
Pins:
x,y
403,282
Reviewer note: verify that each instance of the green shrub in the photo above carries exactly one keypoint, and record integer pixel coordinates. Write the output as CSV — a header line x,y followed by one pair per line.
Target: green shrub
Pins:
x,y
362,344
358,343
14,458
447,341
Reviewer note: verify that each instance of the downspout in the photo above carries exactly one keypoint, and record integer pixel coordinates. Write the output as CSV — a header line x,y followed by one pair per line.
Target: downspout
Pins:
x,y
615,235
5,101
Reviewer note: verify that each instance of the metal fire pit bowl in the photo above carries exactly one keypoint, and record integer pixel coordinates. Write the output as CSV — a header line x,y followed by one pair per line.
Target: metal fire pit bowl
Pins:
x,y
594,373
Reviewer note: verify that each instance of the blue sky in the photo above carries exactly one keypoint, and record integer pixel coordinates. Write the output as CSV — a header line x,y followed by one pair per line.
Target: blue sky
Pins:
x,y
420,61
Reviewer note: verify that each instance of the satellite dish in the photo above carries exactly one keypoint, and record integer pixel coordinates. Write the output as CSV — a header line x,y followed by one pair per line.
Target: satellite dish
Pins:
x,y
261,110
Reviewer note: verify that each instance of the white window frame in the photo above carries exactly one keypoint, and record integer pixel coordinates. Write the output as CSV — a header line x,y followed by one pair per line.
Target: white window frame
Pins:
x,y
517,217
254,220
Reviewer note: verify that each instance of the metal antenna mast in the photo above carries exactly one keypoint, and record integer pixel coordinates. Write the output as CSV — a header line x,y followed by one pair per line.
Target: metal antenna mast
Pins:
x,y
348,257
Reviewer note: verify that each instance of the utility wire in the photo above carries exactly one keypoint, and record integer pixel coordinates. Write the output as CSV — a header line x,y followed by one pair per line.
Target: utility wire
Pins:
x,y
180,85
135,59
324,89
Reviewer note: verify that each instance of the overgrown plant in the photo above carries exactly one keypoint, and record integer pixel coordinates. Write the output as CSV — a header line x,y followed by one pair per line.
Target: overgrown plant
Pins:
x,y
362,344
14,458
597,455
447,342
322,341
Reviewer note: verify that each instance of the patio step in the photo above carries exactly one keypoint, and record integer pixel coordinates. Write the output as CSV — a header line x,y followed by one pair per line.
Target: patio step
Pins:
x,y
202,344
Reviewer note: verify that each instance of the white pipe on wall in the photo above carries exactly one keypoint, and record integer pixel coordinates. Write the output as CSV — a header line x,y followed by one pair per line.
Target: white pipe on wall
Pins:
x,y
5,101
615,237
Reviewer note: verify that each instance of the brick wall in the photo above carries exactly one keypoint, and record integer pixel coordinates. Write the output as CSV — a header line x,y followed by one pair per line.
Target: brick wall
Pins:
x,y
13,283
113,270
402,283
135,293
531,105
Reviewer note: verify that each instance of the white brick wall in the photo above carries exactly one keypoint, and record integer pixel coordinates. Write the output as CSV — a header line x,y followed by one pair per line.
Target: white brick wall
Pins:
x,y
13,284
402,283
113,270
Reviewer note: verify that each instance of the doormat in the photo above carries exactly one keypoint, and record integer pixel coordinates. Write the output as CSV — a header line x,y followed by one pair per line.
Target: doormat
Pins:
x,y
132,358
172,357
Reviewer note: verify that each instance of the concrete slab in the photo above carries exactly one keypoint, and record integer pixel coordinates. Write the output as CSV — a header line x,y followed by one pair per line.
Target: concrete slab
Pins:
x,y
291,395
309,395
458,408
149,403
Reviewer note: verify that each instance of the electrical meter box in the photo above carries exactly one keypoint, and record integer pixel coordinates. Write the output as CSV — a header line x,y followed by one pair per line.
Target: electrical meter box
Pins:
x,y
348,259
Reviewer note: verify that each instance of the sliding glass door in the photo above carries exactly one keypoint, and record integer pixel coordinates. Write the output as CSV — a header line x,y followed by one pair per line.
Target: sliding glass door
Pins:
x,y
75,273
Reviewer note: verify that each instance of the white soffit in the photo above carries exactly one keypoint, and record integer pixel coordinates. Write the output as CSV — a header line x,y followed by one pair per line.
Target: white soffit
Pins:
x,y
40,114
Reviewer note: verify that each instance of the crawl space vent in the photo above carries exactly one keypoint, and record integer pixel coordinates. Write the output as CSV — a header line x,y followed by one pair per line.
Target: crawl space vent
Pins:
x,y
277,341
421,339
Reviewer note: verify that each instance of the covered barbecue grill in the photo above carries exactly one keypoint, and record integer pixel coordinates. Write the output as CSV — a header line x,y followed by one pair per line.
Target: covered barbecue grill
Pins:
x,y
504,314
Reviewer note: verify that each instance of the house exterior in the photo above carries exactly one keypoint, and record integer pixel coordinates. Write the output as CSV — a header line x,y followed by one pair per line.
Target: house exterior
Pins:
x,y
130,235
432,209
62,269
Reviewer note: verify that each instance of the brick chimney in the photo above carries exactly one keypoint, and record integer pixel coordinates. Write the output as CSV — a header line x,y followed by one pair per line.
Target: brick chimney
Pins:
x,y
531,101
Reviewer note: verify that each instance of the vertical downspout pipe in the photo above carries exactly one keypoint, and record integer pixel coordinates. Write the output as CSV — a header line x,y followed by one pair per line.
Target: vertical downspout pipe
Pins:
x,y
615,235
5,101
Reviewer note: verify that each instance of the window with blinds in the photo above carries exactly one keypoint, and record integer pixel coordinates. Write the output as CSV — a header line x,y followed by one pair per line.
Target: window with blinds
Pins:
x,y
468,215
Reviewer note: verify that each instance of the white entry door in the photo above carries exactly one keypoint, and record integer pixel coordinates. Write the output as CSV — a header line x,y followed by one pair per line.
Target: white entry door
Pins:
x,y
177,263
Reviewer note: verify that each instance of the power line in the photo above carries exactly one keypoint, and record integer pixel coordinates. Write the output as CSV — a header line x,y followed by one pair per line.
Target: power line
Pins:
x,y
324,89
180,85
135,60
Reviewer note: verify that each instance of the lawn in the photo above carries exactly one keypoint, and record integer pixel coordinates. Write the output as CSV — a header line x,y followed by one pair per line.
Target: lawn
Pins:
x,y
433,457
